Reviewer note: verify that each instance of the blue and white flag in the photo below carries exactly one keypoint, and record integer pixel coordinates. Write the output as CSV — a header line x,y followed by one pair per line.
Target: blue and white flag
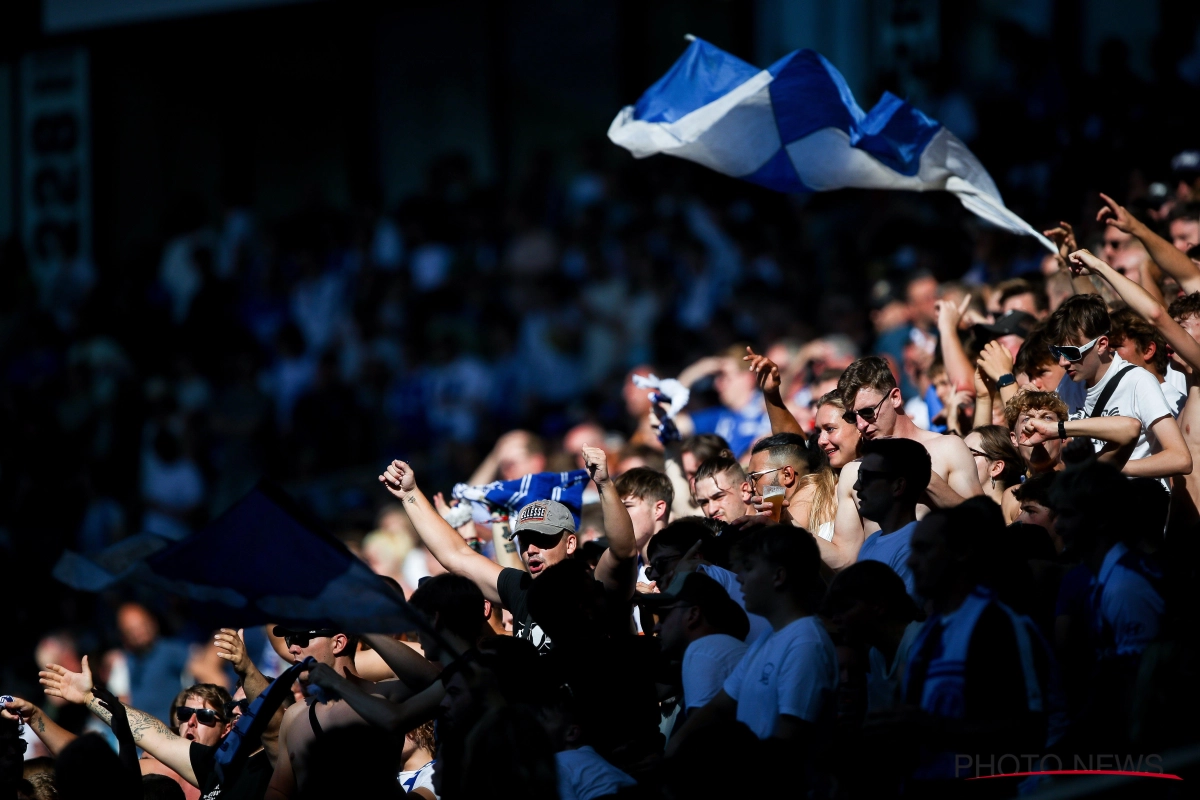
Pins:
x,y
795,127
565,487
261,561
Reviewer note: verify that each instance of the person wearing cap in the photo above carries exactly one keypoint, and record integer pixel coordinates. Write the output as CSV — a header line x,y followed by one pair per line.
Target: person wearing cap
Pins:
x,y
699,622
544,532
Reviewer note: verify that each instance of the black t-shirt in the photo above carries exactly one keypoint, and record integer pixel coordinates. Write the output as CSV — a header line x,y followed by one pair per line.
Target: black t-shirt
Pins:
x,y
248,783
513,587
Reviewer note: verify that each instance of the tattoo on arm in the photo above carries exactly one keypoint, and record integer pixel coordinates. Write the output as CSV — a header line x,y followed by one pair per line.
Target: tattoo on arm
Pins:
x,y
412,500
140,723
41,724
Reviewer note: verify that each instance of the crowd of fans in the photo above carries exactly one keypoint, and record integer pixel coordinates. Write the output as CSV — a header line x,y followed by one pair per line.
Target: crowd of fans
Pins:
x,y
976,544
931,503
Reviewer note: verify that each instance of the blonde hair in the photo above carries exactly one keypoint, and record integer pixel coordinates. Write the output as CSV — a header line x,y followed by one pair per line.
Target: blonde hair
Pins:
x,y
824,503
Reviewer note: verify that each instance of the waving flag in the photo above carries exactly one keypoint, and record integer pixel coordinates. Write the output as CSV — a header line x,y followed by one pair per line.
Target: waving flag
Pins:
x,y
795,127
261,561
565,487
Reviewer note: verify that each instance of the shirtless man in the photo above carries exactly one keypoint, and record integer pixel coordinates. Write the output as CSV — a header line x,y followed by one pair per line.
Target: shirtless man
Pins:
x,y
874,404
304,722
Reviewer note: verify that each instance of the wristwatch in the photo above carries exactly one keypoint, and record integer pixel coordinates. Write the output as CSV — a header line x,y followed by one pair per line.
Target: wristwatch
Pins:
x,y
1062,429
1007,379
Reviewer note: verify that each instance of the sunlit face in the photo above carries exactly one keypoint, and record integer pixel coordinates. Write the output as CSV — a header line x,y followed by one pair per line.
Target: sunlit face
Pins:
x,y
884,408
941,385
690,464
1047,376
193,731
983,466
837,438
1128,349
1191,324
1085,370
1041,457
540,551
719,498
645,513
1185,234
325,649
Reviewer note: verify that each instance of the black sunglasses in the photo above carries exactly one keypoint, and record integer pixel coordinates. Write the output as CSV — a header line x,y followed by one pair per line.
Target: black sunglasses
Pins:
x,y
242,705
205,716
868,414
302,638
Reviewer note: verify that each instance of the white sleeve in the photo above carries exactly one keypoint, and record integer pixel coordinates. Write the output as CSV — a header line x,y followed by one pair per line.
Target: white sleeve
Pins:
x,y
702,677
802,686
1148,401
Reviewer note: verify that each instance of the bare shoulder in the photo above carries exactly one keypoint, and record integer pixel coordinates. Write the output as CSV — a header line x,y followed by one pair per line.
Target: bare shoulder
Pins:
x,y
290,716
945,446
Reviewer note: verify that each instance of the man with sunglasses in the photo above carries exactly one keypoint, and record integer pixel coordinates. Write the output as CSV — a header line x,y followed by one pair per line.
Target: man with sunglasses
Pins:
x,y
544,532
1079,329
202,720
874,405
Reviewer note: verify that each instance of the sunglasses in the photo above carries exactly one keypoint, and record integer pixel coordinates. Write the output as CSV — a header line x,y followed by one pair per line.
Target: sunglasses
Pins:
x,y
235,707
205,716
868,414
1071,352
302,638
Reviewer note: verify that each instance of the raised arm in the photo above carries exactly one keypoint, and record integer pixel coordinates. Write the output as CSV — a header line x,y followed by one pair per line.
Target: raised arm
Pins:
x,y
1119,431
958,366
617,569
995,361
53,735
848,531
450,549
231,646
1141,302
399,718
769,381
415,671
148,733
1172,261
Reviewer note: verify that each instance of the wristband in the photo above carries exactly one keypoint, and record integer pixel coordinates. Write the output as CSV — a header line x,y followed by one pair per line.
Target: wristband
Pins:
x,y
1062,429
1007,379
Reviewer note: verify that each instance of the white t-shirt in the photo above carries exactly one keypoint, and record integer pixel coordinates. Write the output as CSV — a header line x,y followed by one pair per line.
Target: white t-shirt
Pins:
x,y
707,662
791,671
584,774
885,682
421,778
1138,395
1175,398
759,626
1176,378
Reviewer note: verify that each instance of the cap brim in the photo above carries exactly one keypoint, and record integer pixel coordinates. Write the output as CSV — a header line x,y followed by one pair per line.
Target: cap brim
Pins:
x,y
279,630
657,600
541,528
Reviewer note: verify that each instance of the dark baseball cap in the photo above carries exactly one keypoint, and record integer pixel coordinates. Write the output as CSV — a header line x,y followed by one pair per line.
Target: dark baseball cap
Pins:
x,y
700,590
548,517
1012,323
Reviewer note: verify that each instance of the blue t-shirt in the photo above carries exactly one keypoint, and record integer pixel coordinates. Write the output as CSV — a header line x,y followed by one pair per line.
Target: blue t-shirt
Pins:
x,y
892,549
739,428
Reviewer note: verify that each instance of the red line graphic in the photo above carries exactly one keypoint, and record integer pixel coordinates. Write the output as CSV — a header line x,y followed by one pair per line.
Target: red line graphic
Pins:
x,y
1080,772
